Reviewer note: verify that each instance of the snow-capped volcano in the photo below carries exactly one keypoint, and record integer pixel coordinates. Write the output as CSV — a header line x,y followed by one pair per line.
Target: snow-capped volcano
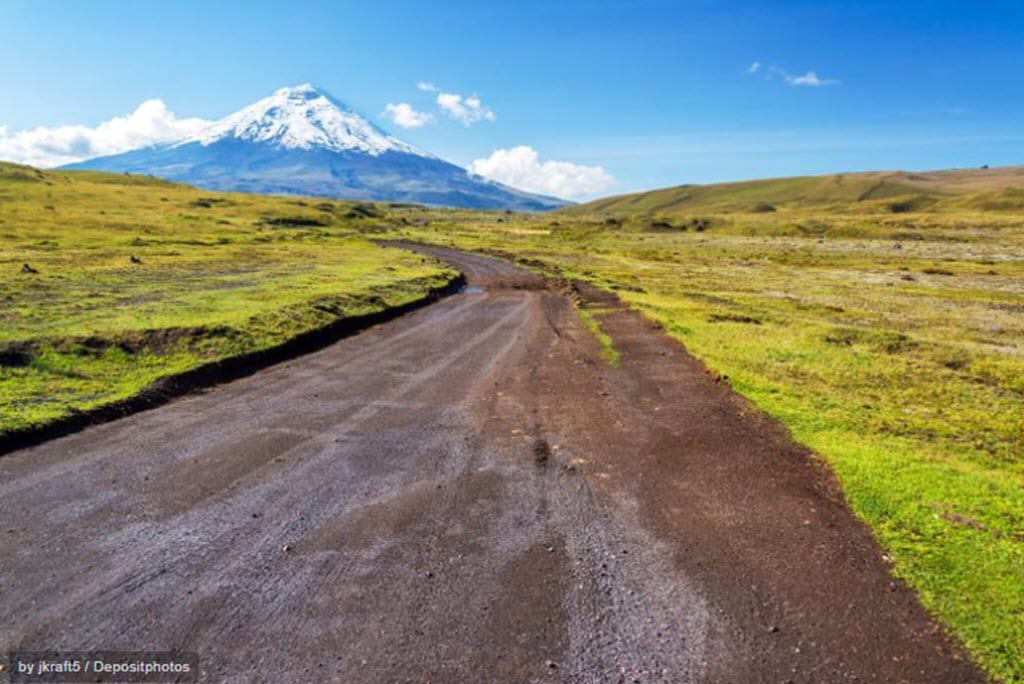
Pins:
x,y
302,118
302,141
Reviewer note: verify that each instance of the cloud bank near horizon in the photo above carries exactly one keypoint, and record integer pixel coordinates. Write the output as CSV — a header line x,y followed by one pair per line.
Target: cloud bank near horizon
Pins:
x,y
521,167
151,123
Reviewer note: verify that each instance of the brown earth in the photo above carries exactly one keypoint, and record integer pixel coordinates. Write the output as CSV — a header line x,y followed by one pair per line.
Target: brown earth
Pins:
x,y
465,494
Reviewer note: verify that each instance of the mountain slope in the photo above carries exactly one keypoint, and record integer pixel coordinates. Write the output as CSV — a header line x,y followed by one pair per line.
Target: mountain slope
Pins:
x,y
818,192
302,141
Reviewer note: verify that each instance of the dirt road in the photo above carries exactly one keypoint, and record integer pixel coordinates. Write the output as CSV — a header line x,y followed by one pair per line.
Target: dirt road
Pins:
x,y
465,494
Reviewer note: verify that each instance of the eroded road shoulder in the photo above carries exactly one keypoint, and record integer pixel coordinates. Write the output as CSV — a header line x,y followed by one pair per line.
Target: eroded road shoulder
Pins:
x,y
469,493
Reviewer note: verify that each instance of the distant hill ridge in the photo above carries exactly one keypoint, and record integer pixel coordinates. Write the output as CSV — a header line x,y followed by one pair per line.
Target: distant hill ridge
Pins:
x,y
982,189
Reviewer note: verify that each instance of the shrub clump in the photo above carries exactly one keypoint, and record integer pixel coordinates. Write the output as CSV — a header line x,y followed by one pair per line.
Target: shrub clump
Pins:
x,y
293,221
733,318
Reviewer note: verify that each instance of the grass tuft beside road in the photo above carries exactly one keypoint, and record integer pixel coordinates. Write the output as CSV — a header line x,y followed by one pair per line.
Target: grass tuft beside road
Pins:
x,y
591,318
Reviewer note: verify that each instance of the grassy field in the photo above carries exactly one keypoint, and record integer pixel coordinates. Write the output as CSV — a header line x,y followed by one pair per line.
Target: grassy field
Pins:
x,y
879,316
137,279
890,341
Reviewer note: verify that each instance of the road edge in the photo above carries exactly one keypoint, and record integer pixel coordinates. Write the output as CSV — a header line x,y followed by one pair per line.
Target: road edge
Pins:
x,y
219,372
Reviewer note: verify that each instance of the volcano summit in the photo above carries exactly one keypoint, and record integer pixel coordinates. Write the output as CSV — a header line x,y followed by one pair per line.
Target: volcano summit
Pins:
x,y
302,141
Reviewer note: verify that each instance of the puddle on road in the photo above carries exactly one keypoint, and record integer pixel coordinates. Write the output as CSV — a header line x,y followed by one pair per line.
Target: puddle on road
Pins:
x,y
472,289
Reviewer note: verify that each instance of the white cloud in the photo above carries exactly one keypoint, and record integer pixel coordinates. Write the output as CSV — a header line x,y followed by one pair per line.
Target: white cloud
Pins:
x,y
427,86
521,168
467,111
149,124
403,114
809,79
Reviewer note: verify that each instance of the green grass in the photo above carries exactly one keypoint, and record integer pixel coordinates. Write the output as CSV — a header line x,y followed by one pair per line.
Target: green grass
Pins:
x,y
892,344
220,275
590,317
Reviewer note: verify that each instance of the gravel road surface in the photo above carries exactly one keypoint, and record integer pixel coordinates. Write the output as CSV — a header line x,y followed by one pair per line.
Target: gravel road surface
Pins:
x,y
469,493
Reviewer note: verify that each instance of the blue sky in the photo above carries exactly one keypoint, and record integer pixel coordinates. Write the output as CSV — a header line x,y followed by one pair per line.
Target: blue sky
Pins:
x,y
657,93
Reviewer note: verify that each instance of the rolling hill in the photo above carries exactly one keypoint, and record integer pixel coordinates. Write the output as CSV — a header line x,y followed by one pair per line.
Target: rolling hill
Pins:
x,y
894,191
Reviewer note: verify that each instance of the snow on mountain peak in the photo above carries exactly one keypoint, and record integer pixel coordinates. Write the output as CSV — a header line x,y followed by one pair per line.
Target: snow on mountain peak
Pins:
x,y
304,117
